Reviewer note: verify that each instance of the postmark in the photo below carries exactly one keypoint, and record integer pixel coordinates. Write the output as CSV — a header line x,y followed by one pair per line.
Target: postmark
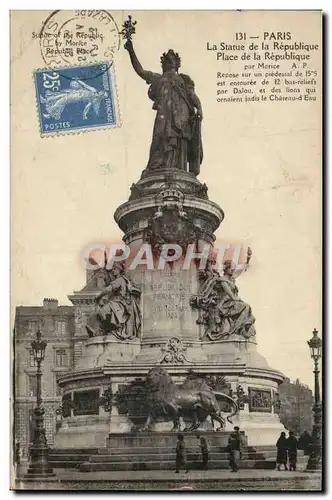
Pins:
x,y
66,103
78,37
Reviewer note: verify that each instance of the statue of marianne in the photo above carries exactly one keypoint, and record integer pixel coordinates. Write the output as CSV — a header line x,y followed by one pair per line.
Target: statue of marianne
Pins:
x,y
176,140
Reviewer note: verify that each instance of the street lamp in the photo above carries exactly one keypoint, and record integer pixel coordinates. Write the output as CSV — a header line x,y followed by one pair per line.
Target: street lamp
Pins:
x,y
315,458
39,467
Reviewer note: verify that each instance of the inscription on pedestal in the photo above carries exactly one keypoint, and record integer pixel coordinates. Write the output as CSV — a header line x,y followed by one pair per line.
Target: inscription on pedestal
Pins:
x,y
166,306
171,298
171,294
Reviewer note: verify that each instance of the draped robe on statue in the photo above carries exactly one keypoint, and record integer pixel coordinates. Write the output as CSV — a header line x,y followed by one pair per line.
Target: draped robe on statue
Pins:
x,y
117,311
176,140
223,314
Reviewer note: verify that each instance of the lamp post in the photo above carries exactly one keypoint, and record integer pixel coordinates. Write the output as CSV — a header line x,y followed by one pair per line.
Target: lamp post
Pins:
x,y
315,458
39,467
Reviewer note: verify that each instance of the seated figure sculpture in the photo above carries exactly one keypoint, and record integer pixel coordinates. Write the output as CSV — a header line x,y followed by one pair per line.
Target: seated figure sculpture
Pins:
x,y
117,309
220,309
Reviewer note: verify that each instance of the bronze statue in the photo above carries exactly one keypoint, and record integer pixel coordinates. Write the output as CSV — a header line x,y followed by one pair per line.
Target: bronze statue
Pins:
x,y
220,309
176,139
194,400
117,307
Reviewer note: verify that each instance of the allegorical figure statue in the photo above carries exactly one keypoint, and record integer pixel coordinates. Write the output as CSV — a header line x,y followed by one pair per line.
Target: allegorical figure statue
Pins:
x,y
220,309
117,307
176,139
79,92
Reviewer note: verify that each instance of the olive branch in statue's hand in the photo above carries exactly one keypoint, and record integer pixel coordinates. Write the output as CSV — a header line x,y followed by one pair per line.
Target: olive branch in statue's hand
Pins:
x,y
128,29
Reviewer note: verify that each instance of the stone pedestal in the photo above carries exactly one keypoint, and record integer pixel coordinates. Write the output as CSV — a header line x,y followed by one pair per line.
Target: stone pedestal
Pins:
x,y
156,451
82,432
101,351
168,207
165,207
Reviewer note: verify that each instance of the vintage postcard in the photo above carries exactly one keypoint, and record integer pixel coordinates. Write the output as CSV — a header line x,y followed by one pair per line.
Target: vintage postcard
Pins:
x,y
166,236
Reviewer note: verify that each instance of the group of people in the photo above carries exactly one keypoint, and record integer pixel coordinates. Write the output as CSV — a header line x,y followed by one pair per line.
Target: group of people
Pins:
x,y
287,449
234,450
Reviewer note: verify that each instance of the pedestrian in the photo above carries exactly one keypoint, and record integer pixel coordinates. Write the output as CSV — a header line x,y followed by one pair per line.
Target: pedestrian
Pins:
x,y
282,451
204,451
292,446
181,454
305,442
234,448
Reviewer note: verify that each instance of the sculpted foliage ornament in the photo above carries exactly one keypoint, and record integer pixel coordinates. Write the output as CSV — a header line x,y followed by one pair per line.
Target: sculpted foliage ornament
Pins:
x,y
174,351
276,402
106,400
215,382
241,397
132,400
67,405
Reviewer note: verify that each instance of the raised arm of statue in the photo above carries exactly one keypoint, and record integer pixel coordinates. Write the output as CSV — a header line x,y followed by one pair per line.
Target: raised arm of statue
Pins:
x,y
135,62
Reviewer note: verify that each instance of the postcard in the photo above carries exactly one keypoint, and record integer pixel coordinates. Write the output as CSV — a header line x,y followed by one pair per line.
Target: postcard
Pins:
x,y
166,250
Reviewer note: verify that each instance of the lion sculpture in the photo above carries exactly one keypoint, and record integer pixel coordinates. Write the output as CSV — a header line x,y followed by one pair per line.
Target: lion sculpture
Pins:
x,y
194,401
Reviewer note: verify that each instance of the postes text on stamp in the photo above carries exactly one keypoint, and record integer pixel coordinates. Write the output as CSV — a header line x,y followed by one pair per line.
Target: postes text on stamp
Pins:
x,y
77,98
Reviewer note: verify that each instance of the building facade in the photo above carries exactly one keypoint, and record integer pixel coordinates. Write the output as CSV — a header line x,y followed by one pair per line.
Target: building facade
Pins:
x,y
57,326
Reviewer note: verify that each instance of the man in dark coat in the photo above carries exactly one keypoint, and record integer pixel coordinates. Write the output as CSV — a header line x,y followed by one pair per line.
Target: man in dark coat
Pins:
x,y
305,442
282,451
234,448
205,451
292,446
181,454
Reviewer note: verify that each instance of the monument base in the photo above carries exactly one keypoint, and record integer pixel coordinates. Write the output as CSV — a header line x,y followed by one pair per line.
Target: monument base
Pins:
x,y
82,432
156,451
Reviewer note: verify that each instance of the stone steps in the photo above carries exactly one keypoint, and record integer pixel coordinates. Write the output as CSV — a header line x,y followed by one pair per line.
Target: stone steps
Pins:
x,y
150,451
157,465
165,465
88,463
155,455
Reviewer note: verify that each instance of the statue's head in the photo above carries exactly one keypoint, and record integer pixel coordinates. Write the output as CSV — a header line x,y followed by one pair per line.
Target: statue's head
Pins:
x,y
229,267
117,269
160,383
156,374
170,61
202,274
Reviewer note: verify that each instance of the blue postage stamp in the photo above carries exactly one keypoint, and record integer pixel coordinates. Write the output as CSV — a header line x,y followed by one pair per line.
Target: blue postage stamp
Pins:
x,y
76,98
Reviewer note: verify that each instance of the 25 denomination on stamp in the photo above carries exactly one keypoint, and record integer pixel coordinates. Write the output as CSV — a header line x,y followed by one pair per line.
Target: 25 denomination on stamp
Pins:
x,y
67,103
